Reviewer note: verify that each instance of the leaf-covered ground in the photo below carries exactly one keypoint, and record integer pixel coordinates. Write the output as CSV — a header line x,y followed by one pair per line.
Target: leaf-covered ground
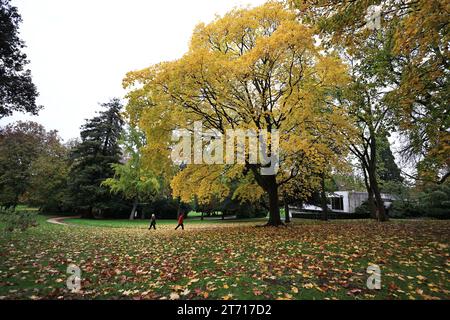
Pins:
x,y
307,260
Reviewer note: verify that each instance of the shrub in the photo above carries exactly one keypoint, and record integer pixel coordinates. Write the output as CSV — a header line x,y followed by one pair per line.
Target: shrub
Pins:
x,y
405,209
18,220
363,209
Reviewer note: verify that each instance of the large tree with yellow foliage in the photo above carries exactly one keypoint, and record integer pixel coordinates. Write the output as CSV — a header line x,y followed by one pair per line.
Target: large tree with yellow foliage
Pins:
x,y
254,69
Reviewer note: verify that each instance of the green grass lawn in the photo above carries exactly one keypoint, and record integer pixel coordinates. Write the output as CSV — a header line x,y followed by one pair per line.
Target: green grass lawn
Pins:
x,y
22,207
227,260
144,224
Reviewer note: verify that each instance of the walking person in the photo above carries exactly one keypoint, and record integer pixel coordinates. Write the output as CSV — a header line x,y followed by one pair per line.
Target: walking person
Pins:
x,y
152,222
180,221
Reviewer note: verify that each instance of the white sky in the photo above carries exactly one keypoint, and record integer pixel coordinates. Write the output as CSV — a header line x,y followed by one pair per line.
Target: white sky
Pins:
x,y
80,50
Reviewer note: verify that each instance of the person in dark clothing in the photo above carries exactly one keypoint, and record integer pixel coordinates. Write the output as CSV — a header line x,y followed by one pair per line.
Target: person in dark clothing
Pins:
x,y
180,222
152,222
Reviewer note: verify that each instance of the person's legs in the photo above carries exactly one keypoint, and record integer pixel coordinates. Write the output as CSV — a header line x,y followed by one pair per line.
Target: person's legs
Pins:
x,y
177,227
182,226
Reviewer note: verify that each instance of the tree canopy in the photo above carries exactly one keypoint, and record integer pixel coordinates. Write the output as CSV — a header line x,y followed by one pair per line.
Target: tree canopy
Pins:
x,y
19,145
92,159
250,69
412,62
131,179
17,90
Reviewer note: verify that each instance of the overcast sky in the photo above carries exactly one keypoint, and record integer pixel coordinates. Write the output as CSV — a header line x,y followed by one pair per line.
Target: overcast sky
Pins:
x,y
80,50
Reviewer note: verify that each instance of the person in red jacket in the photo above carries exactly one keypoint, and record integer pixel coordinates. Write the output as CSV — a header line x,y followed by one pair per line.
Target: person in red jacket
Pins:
x,y
180,221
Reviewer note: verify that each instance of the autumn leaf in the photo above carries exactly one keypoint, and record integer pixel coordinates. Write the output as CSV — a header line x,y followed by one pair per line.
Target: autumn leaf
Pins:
x,y
174,296
308,286
227,297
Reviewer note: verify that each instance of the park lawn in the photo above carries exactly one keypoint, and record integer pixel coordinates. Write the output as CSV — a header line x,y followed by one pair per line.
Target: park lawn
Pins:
x,y
224,260
144,224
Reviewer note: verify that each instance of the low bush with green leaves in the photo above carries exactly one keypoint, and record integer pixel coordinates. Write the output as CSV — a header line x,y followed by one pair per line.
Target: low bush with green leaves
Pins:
x,y
18,220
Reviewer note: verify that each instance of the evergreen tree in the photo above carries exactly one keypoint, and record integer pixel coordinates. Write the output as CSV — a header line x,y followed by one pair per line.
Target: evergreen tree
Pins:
x,y
388,169
92,159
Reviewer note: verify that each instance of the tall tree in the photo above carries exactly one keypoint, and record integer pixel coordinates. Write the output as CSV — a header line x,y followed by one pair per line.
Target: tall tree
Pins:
x,y
48,176
92,159
251,69
366,50
414,67
17,91
20,145
131,178
371,118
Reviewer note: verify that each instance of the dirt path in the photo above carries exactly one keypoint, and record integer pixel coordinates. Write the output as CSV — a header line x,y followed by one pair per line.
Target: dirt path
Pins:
x,y
59,220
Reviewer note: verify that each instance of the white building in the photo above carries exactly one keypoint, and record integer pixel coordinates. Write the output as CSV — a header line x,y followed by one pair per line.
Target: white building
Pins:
x,y
347,201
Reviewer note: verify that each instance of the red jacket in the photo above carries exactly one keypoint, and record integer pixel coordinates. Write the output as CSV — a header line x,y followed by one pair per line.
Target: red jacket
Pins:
x,y
180,219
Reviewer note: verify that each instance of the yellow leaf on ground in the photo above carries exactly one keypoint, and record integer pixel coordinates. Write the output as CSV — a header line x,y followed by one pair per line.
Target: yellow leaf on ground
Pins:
x,y
174,296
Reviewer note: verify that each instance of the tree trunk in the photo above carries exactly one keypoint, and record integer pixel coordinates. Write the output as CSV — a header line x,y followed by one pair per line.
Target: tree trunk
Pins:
x,y
371,203
381,213
372,172
370,199
323,199
274,208
269,185
287,216
201,217
133,211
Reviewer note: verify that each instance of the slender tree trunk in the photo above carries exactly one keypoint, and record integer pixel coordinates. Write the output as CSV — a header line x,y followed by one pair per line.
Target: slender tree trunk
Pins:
x,y
201,217
372,172
323,198
371,203
381,213
133,211
370,198
287,216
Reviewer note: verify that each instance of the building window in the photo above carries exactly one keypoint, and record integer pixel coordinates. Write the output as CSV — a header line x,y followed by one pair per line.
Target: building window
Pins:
x,y
337,203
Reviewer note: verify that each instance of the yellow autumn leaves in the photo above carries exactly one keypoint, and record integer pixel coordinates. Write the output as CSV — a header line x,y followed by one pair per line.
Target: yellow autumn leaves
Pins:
x,y
255,69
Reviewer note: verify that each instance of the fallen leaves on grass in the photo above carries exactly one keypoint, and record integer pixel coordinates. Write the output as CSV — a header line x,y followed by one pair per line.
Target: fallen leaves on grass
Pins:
x,y
302,261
